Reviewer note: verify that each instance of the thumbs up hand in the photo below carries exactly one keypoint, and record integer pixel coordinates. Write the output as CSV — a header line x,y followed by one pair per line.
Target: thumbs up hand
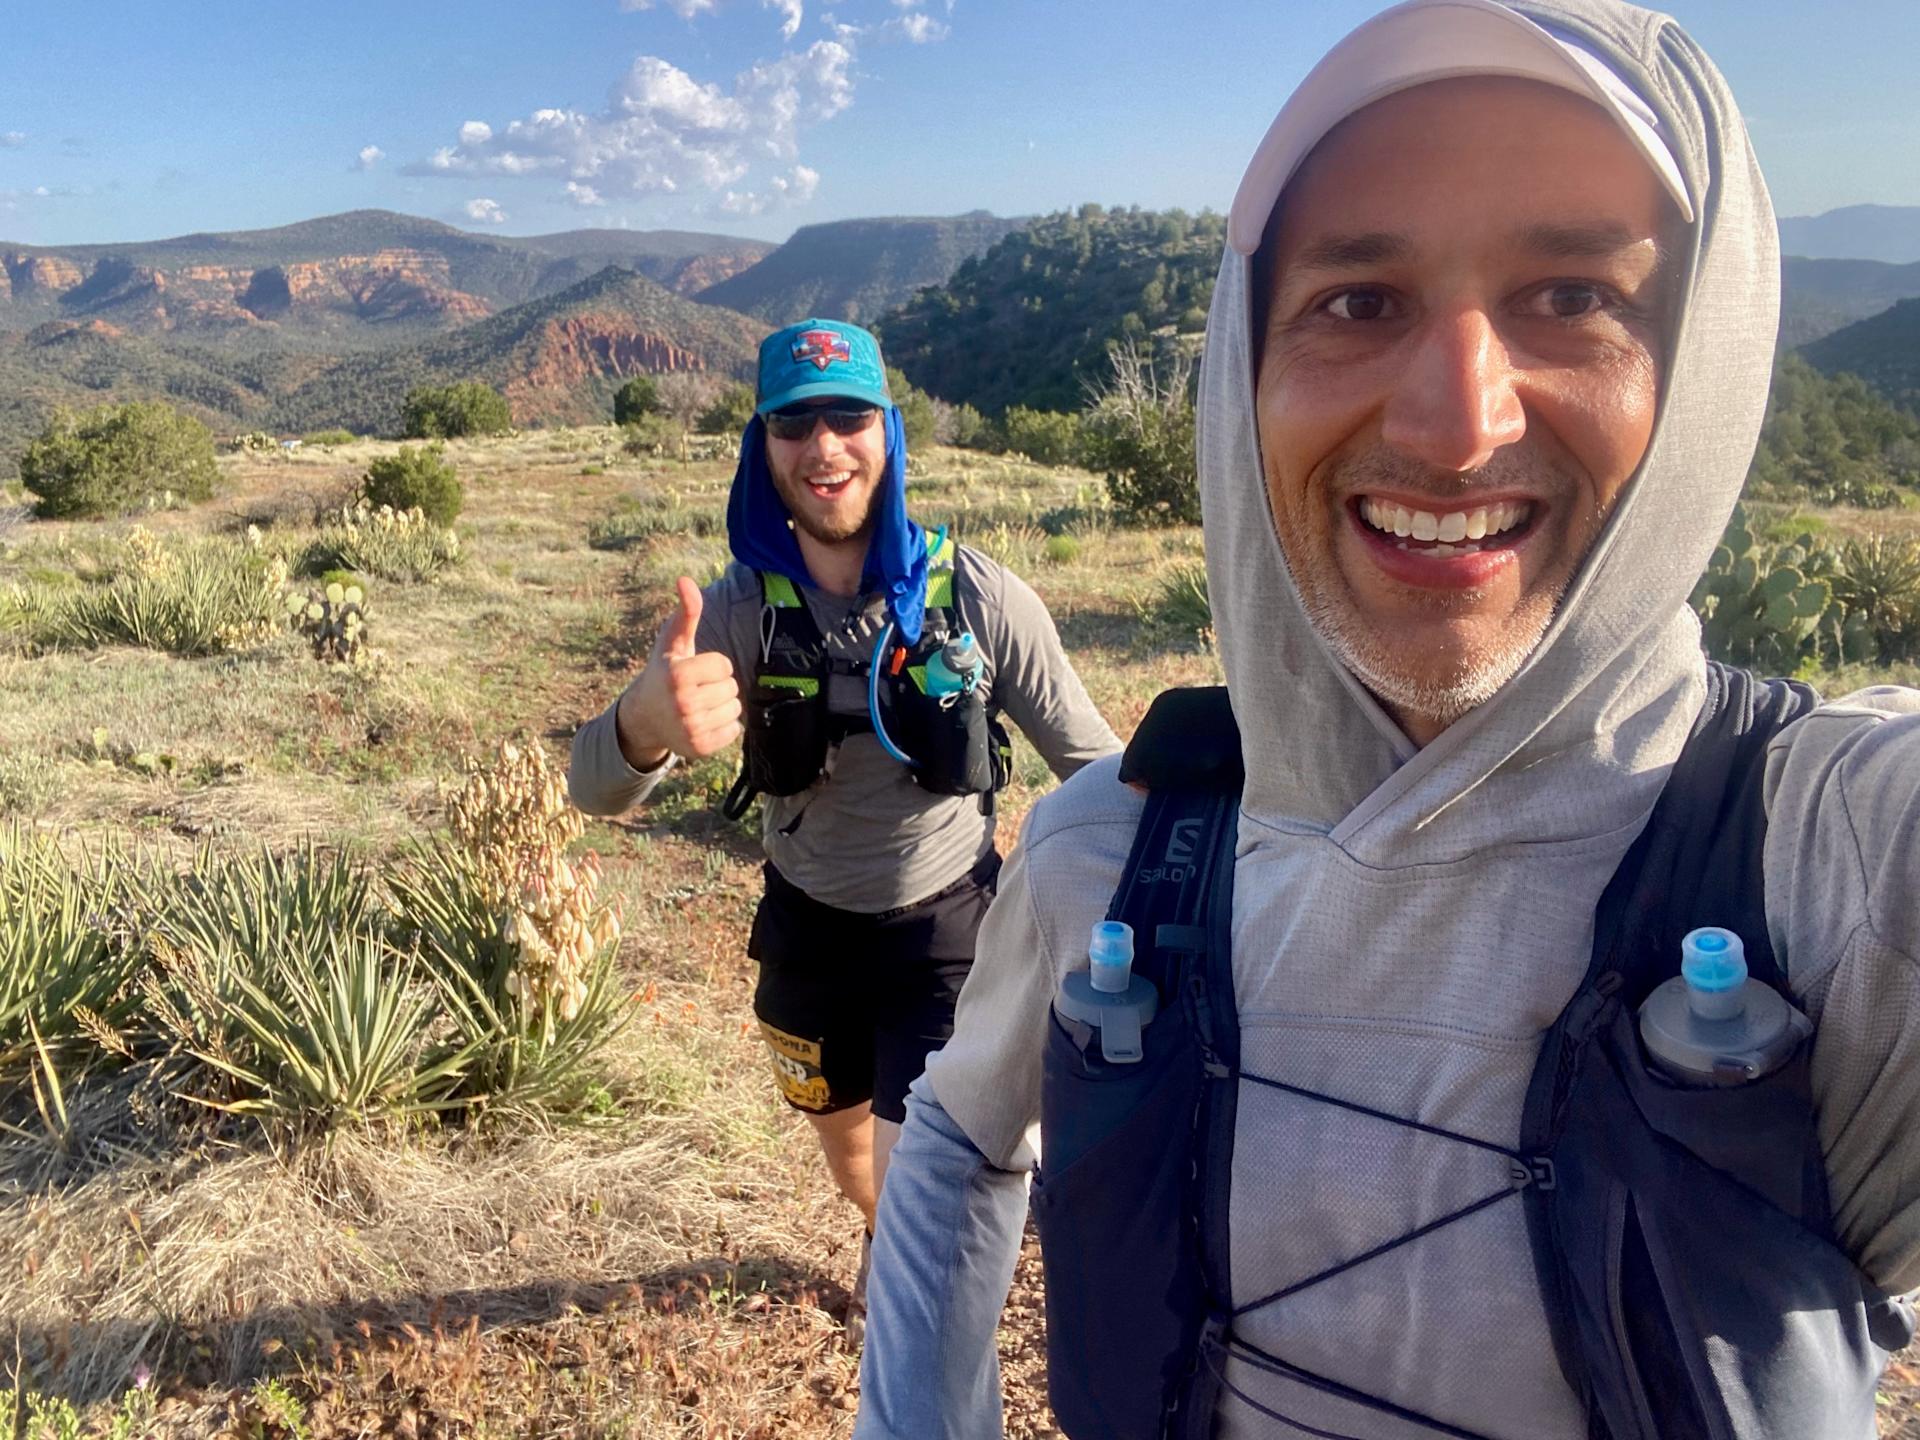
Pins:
x,y
684,701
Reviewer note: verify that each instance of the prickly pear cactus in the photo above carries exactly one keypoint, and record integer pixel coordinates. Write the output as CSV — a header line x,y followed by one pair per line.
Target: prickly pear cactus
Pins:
x,y
333,619
1768,606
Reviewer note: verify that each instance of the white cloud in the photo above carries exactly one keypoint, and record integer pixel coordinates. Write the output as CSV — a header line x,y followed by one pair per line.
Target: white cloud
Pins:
x,y
585,196
370,156
794,188
916,28
792,12
12,139
663,131
685,9
487,212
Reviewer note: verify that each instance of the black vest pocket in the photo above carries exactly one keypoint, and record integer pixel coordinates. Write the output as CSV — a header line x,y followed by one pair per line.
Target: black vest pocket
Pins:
x,y
787,739
1112,1201
1711,1304
949,744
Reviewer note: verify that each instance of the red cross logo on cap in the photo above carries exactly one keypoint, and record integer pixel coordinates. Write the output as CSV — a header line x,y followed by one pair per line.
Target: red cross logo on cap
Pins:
x,y
822,347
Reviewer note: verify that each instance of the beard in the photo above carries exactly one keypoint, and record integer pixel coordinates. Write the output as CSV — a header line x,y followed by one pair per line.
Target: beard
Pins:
x,y
834,529
1410,684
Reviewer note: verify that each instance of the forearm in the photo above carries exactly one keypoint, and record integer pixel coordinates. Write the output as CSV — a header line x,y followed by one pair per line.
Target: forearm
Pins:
x,y
600,778
943,1257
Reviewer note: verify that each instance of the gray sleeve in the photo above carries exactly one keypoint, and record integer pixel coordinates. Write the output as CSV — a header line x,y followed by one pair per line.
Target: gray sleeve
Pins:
x,y
1033,681
1843,907
943,1256
599,779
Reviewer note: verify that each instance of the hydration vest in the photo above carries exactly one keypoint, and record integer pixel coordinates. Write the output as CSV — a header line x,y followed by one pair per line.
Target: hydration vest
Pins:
x,y
955,743
1682,1238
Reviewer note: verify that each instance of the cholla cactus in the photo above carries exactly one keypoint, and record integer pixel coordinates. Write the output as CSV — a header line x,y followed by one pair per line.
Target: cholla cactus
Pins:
x,y
334,620
514,819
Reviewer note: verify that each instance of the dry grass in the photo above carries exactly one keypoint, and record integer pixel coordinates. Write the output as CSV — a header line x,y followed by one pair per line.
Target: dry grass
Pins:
x,y
677,1269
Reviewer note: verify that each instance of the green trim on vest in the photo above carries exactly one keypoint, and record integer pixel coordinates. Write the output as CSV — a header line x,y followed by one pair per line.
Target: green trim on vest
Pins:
x,y
778,591
805,684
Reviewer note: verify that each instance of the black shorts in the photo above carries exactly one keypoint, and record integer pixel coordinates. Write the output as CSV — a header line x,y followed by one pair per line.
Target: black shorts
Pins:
x,y
851,1005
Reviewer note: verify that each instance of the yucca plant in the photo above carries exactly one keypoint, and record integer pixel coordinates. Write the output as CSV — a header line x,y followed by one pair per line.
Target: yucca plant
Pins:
x,y
400,545
66,970
528,1056
342,1036
1878,579
214,595
65,962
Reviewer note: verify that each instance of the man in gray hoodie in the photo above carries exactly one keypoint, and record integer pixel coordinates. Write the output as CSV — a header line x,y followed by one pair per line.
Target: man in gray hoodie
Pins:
x,y
1486,362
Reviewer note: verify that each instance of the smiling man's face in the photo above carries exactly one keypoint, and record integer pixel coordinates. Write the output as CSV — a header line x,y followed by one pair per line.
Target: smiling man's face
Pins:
x,y
1459,374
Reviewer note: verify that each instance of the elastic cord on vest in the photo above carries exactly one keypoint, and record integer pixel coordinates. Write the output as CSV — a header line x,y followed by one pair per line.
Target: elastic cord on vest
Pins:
x,y
873,697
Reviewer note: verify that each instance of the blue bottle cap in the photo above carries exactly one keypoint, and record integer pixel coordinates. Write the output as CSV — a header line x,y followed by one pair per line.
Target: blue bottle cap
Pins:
x,y
1713,960
1111,952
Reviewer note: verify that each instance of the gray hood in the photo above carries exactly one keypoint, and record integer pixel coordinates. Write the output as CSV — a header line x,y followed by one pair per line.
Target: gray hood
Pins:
x,y
1617,680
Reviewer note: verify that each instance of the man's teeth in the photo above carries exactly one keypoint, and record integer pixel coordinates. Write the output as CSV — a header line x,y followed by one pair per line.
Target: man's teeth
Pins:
x,y
1456,525
830,482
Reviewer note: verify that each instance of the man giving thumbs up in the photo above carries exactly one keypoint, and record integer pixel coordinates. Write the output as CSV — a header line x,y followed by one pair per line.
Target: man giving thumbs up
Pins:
x,y
878,815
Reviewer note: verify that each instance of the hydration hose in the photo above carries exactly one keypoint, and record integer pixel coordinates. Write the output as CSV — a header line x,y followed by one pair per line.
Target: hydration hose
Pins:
x,y
873,697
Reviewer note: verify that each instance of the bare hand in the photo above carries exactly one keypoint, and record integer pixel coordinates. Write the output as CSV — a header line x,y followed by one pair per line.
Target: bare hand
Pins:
x,y
684,701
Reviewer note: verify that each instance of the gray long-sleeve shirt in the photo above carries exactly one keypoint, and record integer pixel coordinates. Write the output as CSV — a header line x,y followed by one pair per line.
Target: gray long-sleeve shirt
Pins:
x,y
867,838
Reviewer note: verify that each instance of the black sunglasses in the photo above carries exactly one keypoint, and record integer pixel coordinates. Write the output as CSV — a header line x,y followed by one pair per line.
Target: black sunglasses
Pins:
x,y
796,421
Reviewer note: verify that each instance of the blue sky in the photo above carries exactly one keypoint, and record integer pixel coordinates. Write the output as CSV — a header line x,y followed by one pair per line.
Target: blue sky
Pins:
x,y
134,119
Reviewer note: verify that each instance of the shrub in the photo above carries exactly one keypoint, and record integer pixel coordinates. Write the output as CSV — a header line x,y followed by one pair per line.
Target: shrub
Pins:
x,y
28,783
729,412
116,458
400,545
1182,602
330,437
1140,431
638,397
686,394
654,435
919,419
416,479
1047,437
446,412
1062,549
962,426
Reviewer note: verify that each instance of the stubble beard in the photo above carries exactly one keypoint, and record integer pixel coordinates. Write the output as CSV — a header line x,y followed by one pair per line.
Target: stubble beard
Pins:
x,y
1441,696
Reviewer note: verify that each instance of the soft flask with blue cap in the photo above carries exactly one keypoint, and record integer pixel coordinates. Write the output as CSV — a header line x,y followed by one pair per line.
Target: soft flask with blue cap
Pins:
x,y
1713,1024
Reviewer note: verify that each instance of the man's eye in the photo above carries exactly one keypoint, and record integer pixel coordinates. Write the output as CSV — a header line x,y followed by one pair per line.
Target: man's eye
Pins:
x,y
1572,300
1358,304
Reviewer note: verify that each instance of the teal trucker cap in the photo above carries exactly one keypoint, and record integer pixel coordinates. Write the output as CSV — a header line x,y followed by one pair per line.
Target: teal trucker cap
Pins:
x,y
820,358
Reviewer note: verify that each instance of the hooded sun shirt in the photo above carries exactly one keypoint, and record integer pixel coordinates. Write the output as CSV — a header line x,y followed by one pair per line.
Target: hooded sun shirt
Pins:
x,y
1409,922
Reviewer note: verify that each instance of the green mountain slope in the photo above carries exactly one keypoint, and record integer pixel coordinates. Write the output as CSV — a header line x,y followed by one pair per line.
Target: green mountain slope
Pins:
x,y
1031,321
1884,350
857,269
